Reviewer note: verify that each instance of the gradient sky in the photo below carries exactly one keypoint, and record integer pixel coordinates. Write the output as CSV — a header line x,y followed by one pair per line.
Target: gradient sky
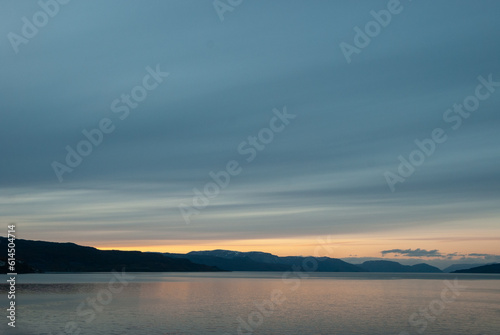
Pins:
x,y
322,177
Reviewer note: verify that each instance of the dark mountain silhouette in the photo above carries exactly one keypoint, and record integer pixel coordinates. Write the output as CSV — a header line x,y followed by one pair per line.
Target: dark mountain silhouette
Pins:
x,y
42,256
492,268
456,267
241,263
390,266
261,261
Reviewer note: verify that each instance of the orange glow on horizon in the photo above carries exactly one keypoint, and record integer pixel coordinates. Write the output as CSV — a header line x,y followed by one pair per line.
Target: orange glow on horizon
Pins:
x,y
320,246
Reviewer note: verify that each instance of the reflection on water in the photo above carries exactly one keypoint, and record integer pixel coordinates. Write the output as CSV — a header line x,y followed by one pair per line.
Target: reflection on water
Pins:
x,y
259,303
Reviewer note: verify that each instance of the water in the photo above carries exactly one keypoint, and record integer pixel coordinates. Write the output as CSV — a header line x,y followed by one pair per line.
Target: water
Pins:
x,y
255,303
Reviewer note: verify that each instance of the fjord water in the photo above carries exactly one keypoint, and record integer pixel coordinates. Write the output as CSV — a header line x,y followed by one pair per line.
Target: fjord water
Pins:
x,y
256,303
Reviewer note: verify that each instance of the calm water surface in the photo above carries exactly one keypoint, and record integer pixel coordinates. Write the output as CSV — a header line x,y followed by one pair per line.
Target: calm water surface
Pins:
x,y
256,303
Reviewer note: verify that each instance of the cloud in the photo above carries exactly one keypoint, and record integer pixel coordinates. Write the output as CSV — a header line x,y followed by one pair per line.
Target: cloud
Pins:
x,y
413,253
488,257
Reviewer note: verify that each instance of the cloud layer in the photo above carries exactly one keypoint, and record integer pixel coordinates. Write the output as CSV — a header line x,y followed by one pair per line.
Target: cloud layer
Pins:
x,y
323,174
413,253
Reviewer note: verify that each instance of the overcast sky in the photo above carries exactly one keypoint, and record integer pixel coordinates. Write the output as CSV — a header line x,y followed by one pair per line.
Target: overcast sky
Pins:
x,y
324,173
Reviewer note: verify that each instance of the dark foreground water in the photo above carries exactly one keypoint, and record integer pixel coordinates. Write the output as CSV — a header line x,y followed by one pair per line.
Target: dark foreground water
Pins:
x,y
255,303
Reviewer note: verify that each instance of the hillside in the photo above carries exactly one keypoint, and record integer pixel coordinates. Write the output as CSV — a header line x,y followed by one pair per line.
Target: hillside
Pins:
x,y
456,267
42,256
492,268
390,266
261,261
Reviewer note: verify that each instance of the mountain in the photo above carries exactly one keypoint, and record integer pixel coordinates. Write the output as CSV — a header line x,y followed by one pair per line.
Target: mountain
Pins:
x,y
390,266
39,256
257,256
492,268
261,261
239,263
325,264
456,267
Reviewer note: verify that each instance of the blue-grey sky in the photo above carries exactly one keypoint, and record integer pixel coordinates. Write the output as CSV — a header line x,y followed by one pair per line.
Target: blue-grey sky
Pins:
x,y
324,174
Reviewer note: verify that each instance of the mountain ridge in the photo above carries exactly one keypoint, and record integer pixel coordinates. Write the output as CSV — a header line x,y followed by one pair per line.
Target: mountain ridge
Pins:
x,y
261,261
491,268
231,260
392,266
42,256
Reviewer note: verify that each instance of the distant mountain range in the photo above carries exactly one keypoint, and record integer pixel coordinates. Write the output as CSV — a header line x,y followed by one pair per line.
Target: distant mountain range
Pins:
x,y
492,268
456,267
261,261
390,266
40,256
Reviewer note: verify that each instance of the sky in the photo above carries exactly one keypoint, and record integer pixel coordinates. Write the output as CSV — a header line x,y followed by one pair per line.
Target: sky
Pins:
x,y
367,126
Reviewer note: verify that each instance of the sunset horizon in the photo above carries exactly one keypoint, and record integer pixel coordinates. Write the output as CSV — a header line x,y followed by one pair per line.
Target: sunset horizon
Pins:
x,y
250,167
326,246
